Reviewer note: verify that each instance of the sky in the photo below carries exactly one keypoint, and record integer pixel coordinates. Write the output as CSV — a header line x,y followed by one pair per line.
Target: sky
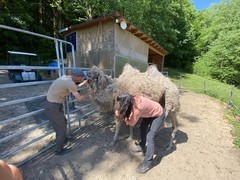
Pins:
x,y
203,4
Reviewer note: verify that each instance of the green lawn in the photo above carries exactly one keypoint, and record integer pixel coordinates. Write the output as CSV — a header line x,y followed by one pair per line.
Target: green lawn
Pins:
x,y
216,89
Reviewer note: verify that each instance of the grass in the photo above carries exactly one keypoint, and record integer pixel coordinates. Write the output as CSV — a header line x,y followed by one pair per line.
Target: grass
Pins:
x,y
216,89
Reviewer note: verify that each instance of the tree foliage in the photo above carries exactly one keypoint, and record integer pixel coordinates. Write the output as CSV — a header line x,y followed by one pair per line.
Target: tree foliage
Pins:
x,y
218,43
209,37
28,15
168,22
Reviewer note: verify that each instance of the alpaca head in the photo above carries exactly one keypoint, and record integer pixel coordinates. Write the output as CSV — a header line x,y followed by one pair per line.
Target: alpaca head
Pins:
x,y
102,86
97,80
93,74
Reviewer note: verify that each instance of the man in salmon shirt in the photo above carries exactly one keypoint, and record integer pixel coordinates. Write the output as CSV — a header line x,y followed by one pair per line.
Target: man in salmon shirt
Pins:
x,y
129,109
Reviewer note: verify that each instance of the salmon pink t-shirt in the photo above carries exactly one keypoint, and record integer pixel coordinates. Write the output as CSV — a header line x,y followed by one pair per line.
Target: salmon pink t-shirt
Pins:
x,y
145,108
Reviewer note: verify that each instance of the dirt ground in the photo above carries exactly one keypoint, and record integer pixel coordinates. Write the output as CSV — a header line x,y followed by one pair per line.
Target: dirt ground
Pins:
x,y
203,149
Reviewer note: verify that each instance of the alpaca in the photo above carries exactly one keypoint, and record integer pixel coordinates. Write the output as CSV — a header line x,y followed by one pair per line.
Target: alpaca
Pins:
x,y
103,87
135,83
153,85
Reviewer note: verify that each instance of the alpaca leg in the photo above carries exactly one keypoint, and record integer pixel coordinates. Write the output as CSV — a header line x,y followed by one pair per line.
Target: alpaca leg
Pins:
x,y
130,138
117,128
175,128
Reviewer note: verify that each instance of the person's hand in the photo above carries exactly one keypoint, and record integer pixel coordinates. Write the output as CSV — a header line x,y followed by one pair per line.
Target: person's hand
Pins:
x,y
127,120
116,113
90,92
84,83
9,171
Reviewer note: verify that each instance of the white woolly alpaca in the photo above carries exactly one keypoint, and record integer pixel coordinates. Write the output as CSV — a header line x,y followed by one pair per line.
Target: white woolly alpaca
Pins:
x,y
151,84
154,85
172,103
136,83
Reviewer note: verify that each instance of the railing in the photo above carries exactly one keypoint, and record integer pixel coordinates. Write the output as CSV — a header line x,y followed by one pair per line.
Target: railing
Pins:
x,y
228,94
23,125
233,97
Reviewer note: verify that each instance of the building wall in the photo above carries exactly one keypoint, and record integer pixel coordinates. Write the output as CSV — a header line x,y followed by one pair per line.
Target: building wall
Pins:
x,y
95,45
108,46
129,49
128,45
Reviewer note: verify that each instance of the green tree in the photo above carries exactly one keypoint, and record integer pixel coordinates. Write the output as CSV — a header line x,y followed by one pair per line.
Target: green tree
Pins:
x,y
168,22
219,42
31,15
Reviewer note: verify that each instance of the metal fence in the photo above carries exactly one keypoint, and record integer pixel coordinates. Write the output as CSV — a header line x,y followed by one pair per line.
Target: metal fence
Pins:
x,y
229,94
24,130
232,102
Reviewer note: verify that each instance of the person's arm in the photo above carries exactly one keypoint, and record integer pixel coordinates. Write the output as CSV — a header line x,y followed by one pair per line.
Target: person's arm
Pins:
x,y
9,171
80,97
134,116
84,83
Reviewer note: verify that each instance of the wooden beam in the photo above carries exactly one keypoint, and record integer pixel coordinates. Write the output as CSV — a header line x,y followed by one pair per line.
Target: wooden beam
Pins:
x,y
149,41
140,35
134,31
144,38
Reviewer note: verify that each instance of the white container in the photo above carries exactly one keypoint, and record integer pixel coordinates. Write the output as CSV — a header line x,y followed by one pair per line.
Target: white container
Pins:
x,y
32,76
25,76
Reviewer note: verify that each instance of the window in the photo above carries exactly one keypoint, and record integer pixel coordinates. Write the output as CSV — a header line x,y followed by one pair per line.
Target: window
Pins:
x,y
73,39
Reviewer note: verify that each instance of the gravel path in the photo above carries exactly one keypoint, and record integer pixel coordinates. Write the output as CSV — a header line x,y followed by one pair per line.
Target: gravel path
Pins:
x,y
203,149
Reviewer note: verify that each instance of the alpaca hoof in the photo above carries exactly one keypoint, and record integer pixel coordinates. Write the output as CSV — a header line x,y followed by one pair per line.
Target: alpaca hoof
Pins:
x,y
129,138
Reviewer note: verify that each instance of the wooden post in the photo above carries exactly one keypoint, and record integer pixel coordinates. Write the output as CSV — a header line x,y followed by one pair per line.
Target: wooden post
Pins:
x,y
162,63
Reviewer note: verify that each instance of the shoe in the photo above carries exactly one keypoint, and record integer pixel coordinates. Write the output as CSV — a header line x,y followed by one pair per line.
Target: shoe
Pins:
x,y
137,149
62,151
144,167
67,140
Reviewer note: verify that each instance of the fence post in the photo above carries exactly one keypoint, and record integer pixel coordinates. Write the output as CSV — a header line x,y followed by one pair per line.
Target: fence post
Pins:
x,y
204,87
230,98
